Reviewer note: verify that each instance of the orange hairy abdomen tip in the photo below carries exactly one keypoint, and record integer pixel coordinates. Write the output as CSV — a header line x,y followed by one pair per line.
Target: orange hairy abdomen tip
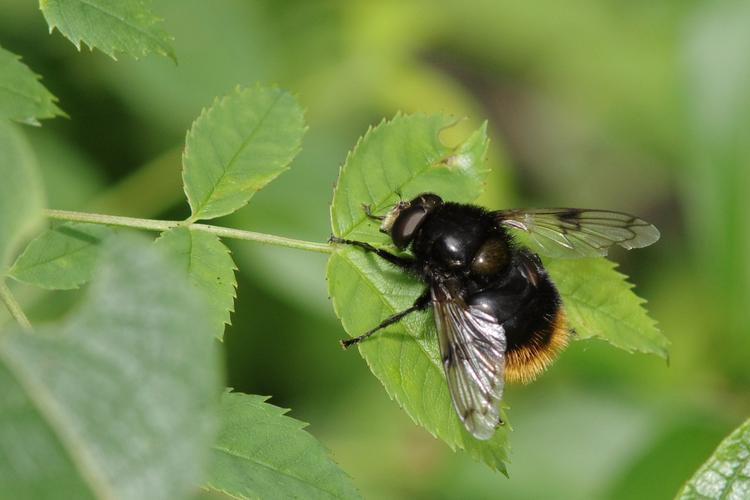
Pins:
x,y
528,360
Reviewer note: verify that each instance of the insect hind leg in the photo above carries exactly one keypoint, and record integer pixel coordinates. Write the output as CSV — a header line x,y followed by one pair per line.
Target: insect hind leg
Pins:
x,y
420,304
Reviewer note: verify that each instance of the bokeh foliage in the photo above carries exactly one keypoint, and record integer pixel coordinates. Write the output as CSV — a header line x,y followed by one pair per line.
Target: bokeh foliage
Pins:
x,y
634,106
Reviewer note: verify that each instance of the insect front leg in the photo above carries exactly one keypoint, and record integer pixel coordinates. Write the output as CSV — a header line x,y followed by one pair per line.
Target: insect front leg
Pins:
x,y
419,305
405,263
368,213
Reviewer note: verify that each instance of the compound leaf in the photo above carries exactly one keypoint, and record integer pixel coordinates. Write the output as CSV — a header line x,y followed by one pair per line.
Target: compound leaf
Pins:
x,y
21,196
119,400
726,474
209,267
404,155
22,97
62,258
262,453
600,302
237,146
126,26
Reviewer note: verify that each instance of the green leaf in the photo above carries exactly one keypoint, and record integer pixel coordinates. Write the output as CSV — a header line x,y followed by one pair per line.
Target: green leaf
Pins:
x,y
62,258
237,146
404,155
22,97
261,453
209,267
726,474
126,26
600,302
21,196
120,400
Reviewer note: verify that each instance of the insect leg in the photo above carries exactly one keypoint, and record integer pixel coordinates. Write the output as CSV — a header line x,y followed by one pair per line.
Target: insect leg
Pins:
x,y
368,213
420,304
402,262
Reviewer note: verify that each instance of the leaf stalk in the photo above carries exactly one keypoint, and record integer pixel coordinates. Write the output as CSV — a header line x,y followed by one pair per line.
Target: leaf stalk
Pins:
x,y
165,225
14,307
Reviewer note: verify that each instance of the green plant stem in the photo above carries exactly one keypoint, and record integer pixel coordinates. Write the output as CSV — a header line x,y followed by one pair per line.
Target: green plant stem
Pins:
x,y
13,306
164,225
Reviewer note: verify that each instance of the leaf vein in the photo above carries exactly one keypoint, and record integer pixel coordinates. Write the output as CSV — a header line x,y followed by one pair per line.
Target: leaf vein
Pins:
x,y
236,155
270,467
60,423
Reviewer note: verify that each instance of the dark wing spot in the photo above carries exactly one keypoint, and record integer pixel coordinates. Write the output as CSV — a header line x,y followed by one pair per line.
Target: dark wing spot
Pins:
x,y
571,216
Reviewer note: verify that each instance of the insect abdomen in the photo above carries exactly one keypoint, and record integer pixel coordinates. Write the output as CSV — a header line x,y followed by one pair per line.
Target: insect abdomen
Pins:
x,y
536,334
528,306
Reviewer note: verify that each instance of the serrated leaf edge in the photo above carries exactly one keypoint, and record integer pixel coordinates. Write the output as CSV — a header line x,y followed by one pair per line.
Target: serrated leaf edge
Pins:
x,y
50,97
164,47
299,425
215,104
662,351
234,268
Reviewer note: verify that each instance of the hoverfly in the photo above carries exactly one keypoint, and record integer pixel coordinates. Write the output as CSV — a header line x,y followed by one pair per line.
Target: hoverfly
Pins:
x,y
498,315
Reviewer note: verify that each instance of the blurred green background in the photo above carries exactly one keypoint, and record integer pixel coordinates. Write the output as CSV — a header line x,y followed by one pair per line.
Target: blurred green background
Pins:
x,y
636,106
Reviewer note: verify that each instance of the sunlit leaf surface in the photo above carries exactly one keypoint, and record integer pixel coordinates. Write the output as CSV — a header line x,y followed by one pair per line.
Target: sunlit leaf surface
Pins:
x,y
600,302
237,146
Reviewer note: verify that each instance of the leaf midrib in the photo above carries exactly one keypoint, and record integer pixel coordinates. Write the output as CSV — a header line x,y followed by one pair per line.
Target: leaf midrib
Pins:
x,y
57,419
270,467
230,163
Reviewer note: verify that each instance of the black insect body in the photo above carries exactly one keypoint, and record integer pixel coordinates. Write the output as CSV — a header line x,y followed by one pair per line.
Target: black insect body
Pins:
x,y
499,317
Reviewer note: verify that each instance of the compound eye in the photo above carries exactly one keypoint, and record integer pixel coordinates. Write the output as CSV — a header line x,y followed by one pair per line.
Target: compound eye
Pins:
x,y
491,258
406,224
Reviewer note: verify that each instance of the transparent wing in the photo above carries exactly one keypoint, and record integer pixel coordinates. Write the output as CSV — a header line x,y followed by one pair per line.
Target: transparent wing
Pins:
x,y
473,345
578,232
